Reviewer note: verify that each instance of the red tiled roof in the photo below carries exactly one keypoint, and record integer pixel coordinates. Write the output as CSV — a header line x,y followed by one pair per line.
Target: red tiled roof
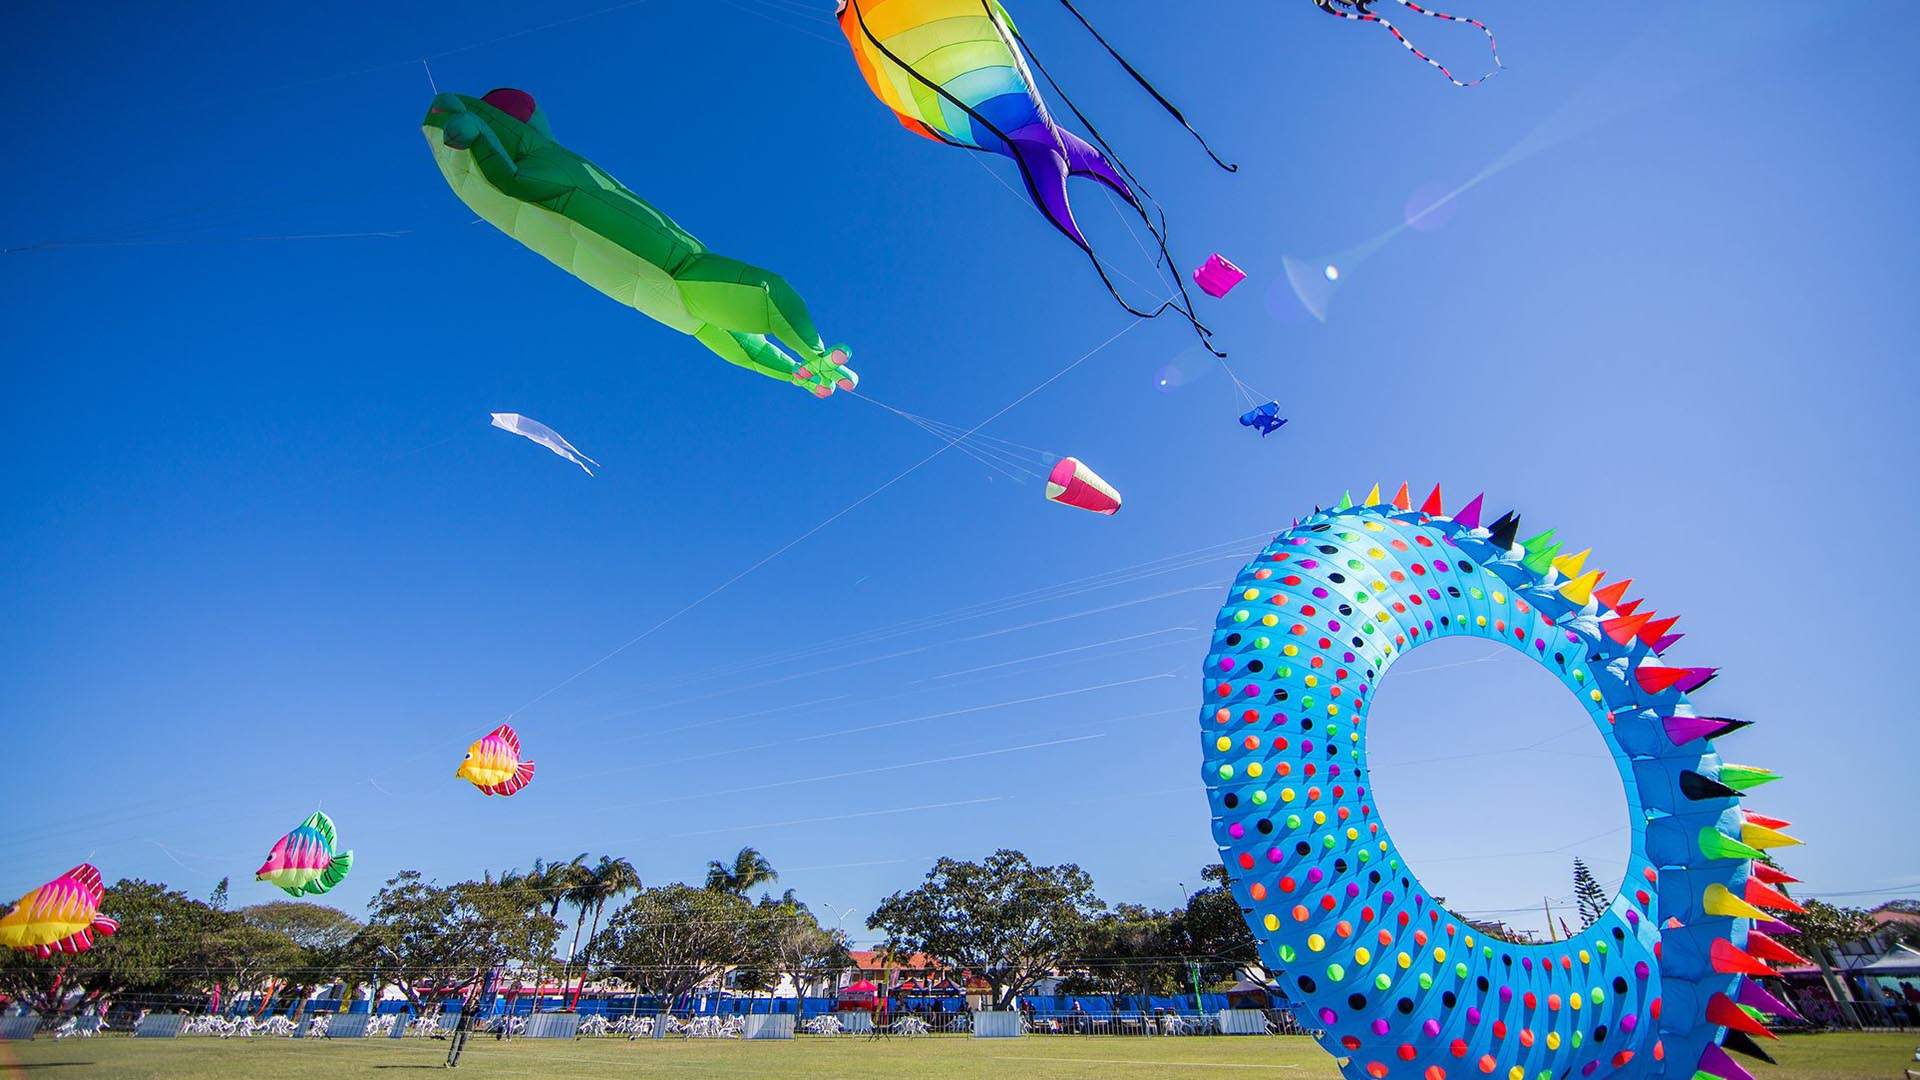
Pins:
x,y
872,959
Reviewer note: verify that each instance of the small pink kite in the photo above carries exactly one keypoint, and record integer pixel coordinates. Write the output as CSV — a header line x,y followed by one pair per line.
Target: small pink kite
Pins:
x,y
1071,483
1217,277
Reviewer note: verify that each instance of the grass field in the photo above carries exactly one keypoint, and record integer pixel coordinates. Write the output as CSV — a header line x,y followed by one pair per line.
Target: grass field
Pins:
x,y
1807,1057
1801,1057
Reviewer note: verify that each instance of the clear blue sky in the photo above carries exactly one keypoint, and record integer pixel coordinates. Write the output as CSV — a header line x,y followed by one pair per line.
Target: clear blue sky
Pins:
x,y
261,550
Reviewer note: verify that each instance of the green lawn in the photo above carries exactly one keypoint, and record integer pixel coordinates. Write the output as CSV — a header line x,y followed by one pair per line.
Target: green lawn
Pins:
x,y
1810,1057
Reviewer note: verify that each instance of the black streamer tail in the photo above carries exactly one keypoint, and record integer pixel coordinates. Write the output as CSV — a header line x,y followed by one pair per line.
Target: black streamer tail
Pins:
x,y
1172,109
1159,230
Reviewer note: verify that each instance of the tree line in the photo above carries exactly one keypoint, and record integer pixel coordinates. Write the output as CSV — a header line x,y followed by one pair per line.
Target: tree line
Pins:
x,y
1003,919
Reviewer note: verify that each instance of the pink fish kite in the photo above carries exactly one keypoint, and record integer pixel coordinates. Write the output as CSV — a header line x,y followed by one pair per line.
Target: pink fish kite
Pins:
x,y
306,862
493,763
61,916
1217,277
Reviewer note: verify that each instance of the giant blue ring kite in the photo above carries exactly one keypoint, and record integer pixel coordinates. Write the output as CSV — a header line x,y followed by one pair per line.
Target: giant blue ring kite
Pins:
x,y
1397,985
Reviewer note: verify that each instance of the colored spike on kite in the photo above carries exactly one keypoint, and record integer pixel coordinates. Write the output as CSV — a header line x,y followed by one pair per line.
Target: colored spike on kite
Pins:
x,y
1760,894
1684,729
1432,507
1659,680
1469,515
1719,901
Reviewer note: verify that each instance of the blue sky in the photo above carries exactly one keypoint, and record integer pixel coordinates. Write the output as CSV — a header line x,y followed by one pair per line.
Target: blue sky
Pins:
x,y
262,552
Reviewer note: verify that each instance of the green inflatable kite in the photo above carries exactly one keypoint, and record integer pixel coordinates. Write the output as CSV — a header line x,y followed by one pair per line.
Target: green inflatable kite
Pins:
x,y
500,157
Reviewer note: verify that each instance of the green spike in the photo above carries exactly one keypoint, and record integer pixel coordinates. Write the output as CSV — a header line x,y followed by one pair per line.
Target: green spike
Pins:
x,y
1715,844
1540,561
1346,501
1744,777
1535,543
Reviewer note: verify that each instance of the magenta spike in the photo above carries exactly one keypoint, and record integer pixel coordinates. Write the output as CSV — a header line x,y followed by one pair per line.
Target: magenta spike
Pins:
x,y
1682,730
1697,677
1469,514
1715,1062
1752,993
1774,927
1666,642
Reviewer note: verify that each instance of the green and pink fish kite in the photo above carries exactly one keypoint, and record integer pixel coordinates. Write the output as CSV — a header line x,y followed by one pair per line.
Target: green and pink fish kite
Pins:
x,y
306,862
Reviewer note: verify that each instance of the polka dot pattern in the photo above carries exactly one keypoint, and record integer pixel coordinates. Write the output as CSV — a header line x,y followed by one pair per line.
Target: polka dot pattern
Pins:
x,y
1397,985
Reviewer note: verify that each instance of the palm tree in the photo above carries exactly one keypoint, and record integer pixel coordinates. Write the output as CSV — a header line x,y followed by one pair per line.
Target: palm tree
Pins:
x,y
554,880
611,878
749,868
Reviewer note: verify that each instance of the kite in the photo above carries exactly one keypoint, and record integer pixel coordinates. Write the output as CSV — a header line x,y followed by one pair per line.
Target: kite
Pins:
x,y
1071,483
493,763
500,157
1217,277
957,72
528,428
1663,984
305,862
61,916
1265,419
1360,11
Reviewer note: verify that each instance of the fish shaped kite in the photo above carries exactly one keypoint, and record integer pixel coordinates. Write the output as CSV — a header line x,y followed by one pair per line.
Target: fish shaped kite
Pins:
x,y
1071,483
1217,277
61,916
1265,419
1361,11
493,763
528,428
957,72
305,862
500,157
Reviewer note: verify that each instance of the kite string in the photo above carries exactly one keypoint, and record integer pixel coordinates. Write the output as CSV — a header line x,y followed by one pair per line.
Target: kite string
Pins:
x,y
830,519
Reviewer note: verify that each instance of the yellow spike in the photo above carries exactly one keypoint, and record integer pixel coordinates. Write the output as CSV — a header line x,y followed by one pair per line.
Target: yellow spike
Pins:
x,y
1761,837
1570,565
1718,901
1580,589
1373,497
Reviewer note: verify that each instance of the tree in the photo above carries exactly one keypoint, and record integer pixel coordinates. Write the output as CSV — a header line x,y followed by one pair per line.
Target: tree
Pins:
x,y
670,939
435,942
748,869
168,947
1004,919
1588,896
1823,927
321,939
1132,950
797,947
609,879
218,901
1213,929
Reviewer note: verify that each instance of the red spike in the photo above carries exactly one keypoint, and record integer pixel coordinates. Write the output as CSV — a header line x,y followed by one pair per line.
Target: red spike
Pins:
x,y
1764,821
1432,507
1729,959
1761,895
1622,630
1658,680
1610,595
1656,629
1628,608
1721,1010
1469,515
1402,500
1765,948
1773,875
